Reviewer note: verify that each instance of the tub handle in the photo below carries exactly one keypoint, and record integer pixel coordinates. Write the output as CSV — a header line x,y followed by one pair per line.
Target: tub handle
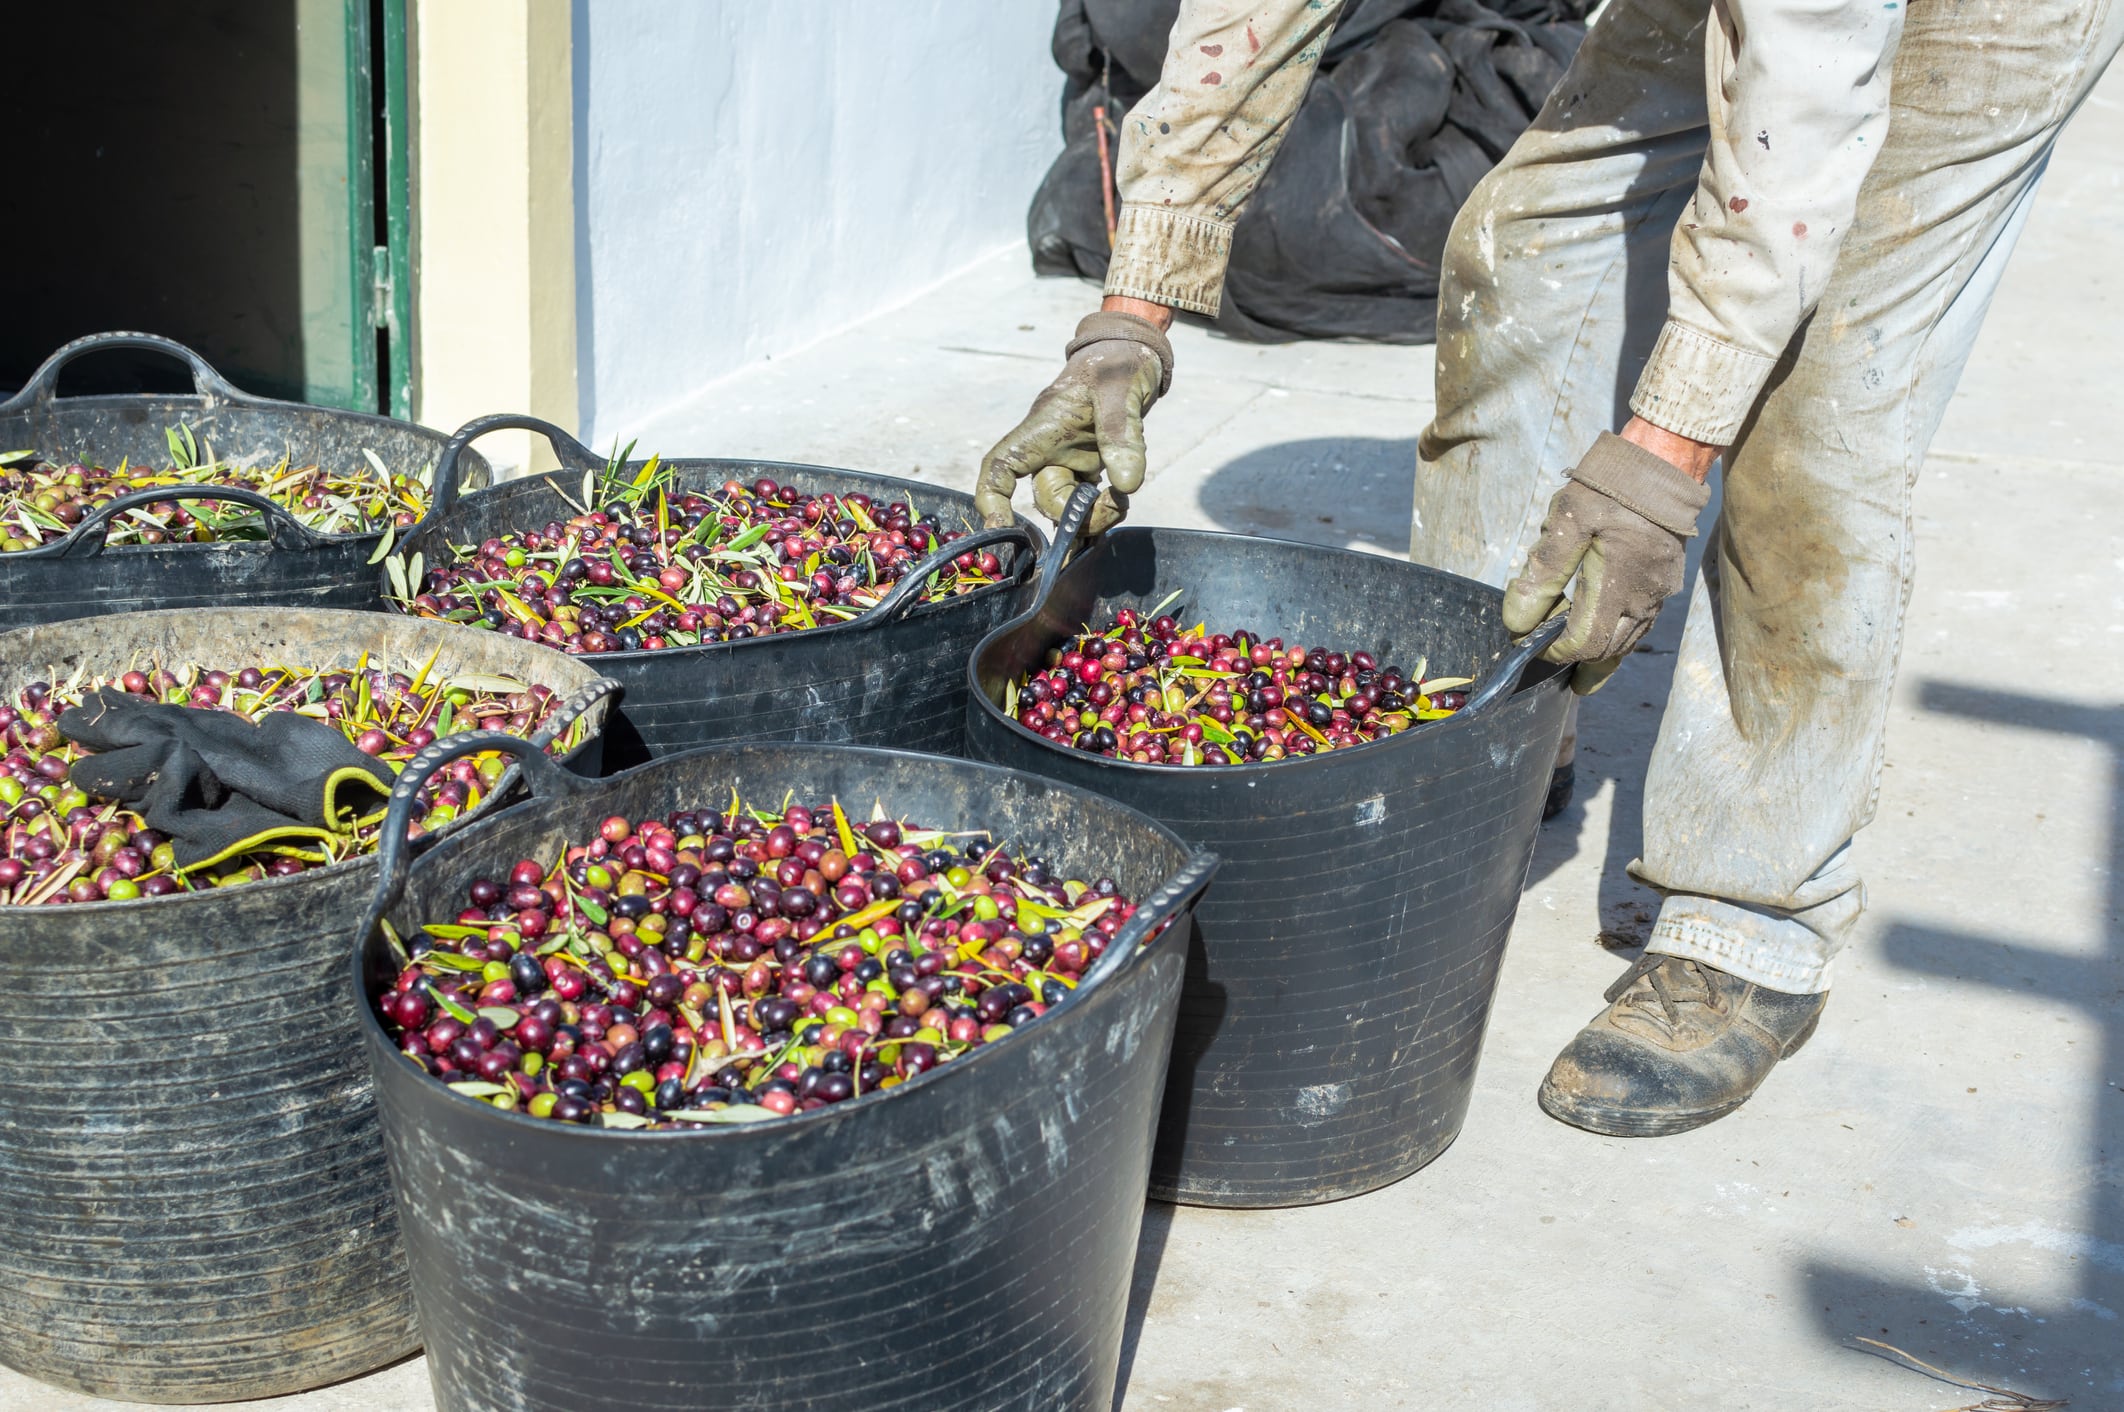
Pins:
x,y
1070,540
1171,897
42,388
571,453
1505,675
546,778
907,593
89,538
566,715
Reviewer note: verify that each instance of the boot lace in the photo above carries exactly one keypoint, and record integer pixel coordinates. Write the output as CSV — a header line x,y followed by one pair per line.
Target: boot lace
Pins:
x,y
1668,994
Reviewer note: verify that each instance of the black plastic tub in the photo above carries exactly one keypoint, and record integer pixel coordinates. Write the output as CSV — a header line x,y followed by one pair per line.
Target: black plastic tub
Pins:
x,y
1335,1008
960,1243
197,1208
894,676
80,576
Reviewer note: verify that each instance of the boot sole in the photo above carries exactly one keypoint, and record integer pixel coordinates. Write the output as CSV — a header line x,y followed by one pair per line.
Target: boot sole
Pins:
x,y
1610,1121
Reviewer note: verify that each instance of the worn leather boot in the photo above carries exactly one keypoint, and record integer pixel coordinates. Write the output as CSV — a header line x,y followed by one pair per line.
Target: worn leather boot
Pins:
x,y
1681,1043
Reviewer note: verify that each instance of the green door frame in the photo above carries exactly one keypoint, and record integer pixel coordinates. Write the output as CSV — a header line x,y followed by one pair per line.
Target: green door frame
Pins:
x,y
373,369
394,258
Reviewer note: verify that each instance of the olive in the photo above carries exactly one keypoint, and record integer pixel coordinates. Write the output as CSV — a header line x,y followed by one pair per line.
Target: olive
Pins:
x,y
528,976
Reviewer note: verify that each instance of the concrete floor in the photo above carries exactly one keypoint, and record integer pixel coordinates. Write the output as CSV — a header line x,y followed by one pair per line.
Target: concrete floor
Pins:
x,y
1942,1169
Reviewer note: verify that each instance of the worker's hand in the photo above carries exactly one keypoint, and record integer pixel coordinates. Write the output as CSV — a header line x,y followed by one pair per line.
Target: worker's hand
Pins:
x,y
1089,419
1619,526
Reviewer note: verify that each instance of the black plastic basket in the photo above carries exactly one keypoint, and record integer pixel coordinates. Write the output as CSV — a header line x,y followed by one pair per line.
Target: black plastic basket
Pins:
x,y
978,1223
197,1208
895,676
81,576
1334,1012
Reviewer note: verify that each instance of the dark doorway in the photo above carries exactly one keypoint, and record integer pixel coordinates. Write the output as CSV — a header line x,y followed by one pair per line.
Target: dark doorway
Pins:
x,y
207,171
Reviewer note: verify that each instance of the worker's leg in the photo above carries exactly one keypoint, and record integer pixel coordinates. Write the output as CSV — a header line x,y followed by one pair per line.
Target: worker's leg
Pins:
x,y
1769,757
1769,754
1554,285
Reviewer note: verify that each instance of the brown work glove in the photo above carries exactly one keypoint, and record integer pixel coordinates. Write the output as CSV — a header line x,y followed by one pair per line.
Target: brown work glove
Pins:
x,y
1618,525
1088,419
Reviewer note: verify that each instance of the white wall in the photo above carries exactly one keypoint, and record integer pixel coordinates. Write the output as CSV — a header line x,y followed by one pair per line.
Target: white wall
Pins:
x,y
754,174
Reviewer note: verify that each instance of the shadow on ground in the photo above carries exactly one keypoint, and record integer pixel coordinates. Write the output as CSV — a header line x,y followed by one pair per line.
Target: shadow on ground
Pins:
x,y
2076,1349
1350,492
1150,1254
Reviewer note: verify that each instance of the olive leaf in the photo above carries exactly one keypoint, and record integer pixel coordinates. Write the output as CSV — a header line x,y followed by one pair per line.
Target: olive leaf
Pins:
x,y
451,1008
624,1120
847,834
503,1017
486,684
383,545
749,538
477,1089
184,451
398,947
420,678
452,961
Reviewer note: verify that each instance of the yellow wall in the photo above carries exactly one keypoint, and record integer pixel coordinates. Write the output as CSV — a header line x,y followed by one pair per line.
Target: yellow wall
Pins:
x,y
494,218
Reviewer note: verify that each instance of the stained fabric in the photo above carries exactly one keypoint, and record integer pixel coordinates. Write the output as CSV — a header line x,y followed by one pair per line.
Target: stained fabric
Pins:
x,y
1771,743
1414,101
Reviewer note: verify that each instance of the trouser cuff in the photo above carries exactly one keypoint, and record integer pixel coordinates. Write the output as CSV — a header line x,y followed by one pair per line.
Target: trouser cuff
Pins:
x,y
1760,946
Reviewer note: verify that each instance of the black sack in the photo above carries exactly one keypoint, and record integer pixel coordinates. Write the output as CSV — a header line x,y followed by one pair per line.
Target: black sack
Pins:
x,y
1414,102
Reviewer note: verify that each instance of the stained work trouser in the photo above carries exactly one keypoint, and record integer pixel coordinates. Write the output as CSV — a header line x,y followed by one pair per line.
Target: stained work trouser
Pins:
x,y
1769,754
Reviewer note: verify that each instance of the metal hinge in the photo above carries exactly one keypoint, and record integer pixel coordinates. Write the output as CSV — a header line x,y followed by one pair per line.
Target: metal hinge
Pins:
x,y
380,311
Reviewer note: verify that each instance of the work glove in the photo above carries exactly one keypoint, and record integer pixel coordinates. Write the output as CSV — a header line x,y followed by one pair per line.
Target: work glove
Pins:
x,y
219,785
1088,418
1619,525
